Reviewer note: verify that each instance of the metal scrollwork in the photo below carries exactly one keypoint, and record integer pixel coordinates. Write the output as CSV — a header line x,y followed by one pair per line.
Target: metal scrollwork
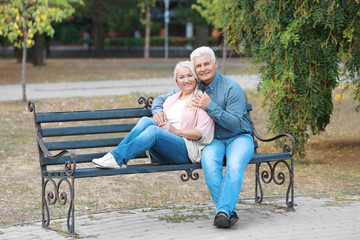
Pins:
x,y
69,167
286,148
147,102
190,174
267,176
31,106
52,197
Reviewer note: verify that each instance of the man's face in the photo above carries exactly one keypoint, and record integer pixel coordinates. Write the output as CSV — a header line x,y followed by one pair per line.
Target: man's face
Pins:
x,y
205,68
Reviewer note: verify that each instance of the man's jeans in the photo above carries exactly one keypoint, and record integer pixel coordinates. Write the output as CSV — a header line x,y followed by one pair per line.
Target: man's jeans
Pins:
x,y
225,189
164,146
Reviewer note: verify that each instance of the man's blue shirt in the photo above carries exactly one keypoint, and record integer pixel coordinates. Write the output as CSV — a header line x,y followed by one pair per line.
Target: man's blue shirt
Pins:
x,y
227,107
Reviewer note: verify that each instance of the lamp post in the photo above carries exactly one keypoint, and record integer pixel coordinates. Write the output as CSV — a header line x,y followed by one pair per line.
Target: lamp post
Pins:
x,y
166,19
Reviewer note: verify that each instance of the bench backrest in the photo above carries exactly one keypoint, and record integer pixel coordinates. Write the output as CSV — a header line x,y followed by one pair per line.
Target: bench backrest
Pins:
x,y
85,130
88,131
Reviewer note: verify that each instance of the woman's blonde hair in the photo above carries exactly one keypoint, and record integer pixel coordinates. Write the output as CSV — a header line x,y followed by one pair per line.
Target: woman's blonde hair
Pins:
x,y
189,65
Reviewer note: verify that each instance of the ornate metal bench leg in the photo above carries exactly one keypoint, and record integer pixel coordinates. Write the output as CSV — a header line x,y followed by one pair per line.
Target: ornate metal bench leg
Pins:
x,y
290,189
258,198
44,207
51,197
270,175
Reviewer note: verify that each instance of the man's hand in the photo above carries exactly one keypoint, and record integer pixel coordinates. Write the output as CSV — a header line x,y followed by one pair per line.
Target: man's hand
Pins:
x,y
159,118
202,101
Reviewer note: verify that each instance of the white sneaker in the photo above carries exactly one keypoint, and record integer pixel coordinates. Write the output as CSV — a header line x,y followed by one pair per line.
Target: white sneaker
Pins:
x,y
107,161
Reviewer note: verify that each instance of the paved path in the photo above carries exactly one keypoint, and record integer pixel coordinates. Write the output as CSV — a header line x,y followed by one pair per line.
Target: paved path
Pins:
x,y
313,219
102,88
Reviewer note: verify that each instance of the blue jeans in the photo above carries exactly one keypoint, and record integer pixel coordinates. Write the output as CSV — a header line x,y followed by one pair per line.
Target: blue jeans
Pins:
x,y
225,189
164,146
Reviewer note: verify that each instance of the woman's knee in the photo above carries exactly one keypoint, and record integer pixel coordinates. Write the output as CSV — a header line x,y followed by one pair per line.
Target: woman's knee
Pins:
x,y
147,121
152,131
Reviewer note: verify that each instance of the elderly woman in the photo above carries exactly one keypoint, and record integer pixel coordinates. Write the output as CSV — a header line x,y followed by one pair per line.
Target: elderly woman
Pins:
x,y
179,139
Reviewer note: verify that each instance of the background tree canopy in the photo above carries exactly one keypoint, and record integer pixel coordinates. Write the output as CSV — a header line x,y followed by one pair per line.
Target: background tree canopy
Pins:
x,y
306,49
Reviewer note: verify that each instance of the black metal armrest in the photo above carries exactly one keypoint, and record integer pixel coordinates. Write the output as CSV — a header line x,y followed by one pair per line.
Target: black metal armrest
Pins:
x,y
68,167
287,148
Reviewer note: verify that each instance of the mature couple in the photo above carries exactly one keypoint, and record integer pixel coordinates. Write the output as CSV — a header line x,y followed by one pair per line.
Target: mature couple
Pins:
x,y
202,120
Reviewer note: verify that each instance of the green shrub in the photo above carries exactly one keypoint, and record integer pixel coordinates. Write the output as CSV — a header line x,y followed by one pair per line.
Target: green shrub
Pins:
x,y
67,33
4,42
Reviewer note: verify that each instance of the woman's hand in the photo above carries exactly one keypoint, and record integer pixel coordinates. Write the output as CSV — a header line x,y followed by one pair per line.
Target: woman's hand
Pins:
x,y
159,118
191,134
168,127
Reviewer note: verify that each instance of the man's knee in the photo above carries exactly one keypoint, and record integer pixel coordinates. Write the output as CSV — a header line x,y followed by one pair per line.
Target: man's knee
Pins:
x,y
212,155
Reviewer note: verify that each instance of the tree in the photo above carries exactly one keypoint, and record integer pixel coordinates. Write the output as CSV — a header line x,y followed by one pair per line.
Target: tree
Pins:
x,y
108,14
306,48
184,14
22,19
146,5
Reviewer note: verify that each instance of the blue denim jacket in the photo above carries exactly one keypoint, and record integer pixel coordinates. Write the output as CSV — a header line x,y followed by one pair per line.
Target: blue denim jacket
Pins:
x,y
227,107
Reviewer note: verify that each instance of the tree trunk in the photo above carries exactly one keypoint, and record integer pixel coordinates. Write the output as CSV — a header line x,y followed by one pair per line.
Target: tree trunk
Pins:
x,y
39,51
18,52
224,56
201,35
98,29
147,31
23,68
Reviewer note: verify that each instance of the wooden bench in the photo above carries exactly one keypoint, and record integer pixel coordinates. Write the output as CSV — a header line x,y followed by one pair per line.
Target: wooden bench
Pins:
x,y
86,133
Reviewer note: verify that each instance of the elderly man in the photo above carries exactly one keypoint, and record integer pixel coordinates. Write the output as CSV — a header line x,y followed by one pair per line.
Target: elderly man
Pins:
x,y
224,102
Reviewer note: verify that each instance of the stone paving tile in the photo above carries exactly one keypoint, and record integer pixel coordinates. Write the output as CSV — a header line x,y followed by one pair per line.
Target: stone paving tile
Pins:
x,y
312,219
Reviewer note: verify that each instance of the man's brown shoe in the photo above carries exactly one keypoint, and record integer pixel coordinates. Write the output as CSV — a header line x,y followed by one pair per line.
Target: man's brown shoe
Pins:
x,y
222,220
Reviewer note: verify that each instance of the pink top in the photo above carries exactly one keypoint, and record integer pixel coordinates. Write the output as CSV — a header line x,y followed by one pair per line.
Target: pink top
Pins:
x,y
193,118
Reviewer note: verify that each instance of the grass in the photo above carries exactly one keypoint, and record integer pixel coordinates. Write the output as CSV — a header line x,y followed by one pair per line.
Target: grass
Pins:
x,y
74,70
331,167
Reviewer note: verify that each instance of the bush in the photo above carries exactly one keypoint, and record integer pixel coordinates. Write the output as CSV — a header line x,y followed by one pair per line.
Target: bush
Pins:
x,y
4,42
67,33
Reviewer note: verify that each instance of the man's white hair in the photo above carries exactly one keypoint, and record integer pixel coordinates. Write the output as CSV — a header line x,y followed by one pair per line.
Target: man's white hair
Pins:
x,y
200,51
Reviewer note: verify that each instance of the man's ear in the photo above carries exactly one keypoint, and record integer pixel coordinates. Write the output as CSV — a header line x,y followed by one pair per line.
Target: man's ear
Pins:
x,y
216,63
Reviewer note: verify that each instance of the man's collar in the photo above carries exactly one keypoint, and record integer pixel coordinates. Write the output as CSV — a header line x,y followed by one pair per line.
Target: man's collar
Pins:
x,y
211,86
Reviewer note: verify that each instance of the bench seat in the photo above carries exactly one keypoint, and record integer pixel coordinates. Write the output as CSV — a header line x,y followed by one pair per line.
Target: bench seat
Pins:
x,y
151,168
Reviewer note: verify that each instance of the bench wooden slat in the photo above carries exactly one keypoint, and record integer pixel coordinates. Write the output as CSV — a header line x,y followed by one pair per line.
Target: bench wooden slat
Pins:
x,y
92,115
268,157
84,130
131,169
149,168
81,144
81,158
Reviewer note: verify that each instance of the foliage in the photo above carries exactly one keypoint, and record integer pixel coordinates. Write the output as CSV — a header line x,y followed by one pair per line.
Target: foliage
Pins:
x,y
307,47
67,33
184,13
125,19
143,4
4,42
21,18
118,16
155,41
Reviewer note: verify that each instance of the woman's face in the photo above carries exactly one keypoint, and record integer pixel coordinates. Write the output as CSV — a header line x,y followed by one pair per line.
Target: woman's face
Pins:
x,y
185,80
